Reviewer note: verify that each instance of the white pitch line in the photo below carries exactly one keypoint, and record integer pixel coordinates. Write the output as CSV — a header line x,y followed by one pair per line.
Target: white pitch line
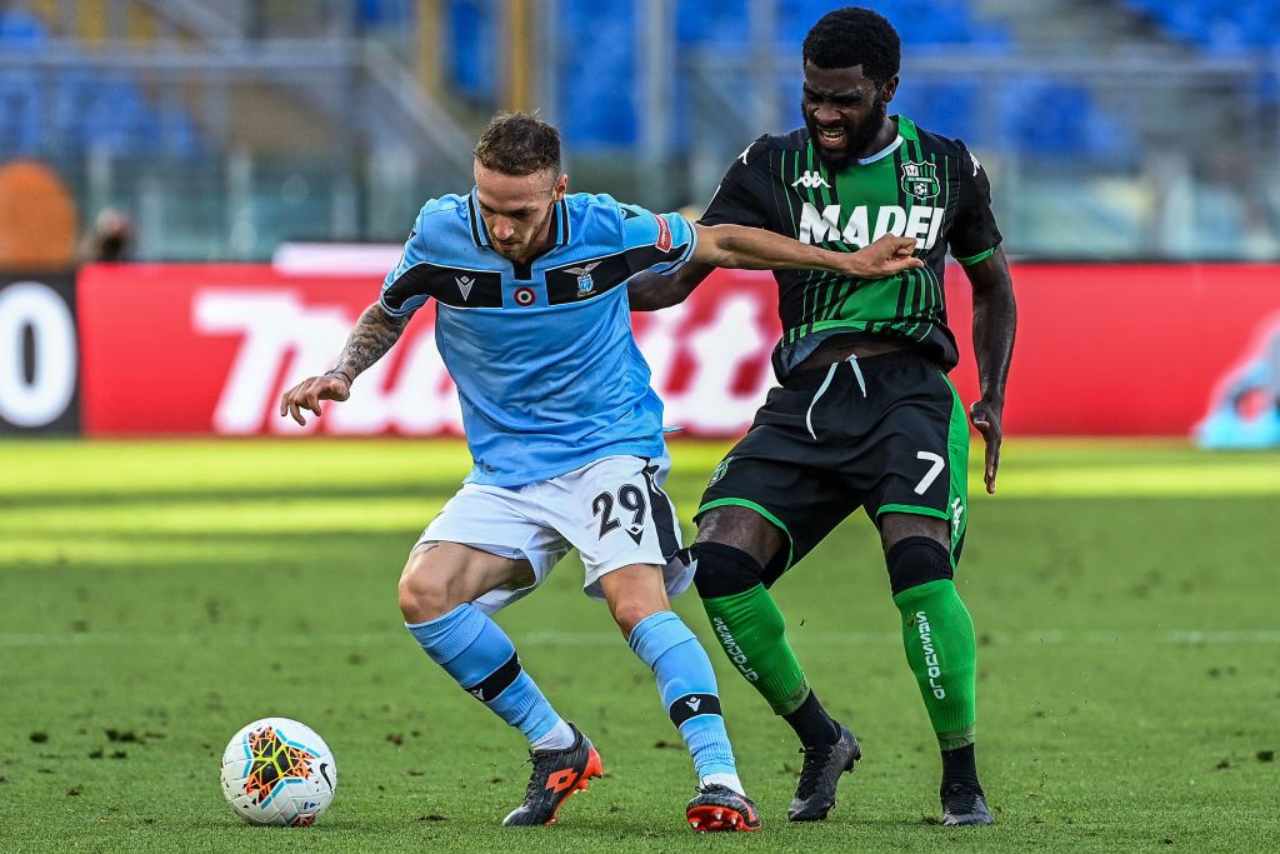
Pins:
x,y
1044,637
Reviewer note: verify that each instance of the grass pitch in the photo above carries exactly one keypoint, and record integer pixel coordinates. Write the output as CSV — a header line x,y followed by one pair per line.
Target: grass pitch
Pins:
x,y
154,597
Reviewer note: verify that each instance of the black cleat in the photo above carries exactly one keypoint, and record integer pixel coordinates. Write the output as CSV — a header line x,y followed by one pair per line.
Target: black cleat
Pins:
x,y
816,793
718,808
964,804
557,774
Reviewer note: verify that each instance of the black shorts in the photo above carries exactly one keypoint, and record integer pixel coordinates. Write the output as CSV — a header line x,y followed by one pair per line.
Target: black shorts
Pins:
x,y
885,432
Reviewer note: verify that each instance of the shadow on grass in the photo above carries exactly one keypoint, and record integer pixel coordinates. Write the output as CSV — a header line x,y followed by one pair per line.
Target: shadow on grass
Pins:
x,y
195,551
60,500
430,490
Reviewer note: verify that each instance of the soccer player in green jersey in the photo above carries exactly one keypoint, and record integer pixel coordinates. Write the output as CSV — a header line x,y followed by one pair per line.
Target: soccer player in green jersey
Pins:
x,y
865,415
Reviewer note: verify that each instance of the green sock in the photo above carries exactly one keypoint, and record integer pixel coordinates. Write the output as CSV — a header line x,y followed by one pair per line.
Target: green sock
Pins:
x,y
750,628
938,633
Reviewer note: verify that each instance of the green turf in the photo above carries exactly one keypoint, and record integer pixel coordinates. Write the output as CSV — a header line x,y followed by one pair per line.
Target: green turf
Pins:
x,y
1124,594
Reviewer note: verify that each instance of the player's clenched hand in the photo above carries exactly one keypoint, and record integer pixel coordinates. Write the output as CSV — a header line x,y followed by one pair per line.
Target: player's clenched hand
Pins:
x,y
985,415
888,256
308,394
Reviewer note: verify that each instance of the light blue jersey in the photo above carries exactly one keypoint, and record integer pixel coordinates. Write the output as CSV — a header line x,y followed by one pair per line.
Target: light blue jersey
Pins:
x,y
548,373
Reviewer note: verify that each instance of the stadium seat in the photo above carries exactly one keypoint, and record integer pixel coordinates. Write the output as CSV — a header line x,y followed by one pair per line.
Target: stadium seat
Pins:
x,y
597,98
470,61
80,108
384,14
21,31
1217,26
1047,117
19,113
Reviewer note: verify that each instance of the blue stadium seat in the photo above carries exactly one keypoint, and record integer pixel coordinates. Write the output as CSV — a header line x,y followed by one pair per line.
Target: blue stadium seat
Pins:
x,y
711,22
470,61
378,14
19,88
71,94
113,117
21,31
927,22
1218,26
944,23
80,107
597,74
951,109
1222,28
598,108
19,113
177,134
1048,117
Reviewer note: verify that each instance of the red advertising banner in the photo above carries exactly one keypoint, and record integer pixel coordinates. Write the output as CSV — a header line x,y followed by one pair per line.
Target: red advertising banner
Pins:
x,y
1124,349
1102,349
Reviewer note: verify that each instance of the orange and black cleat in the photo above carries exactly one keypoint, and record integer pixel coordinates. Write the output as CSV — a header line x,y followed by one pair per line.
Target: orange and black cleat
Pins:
x,y
557,774
718,808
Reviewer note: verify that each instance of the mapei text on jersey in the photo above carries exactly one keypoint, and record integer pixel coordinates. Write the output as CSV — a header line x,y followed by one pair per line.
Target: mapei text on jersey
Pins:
x,y
922,222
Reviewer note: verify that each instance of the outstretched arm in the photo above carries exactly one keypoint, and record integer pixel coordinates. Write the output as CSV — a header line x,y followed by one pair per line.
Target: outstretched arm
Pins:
x,y
650,291
375,333
995,321
746,248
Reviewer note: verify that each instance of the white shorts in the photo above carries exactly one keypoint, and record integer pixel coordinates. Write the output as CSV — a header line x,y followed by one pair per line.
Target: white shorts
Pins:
x,y
613,511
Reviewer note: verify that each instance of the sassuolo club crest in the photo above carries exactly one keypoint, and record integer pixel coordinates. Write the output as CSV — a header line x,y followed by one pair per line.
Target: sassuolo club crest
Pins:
x,y
920,180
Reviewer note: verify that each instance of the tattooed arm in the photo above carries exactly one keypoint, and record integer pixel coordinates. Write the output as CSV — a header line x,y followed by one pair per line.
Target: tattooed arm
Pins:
x,y
376,332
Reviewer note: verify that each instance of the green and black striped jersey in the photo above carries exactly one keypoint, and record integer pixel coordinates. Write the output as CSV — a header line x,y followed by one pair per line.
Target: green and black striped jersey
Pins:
x,y
922,185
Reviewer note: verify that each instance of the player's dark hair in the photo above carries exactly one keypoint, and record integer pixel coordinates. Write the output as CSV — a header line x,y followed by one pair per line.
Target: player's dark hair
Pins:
x,y
519,144
855,36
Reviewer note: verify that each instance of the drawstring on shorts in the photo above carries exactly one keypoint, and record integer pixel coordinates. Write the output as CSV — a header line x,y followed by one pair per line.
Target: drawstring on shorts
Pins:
x,y
852,361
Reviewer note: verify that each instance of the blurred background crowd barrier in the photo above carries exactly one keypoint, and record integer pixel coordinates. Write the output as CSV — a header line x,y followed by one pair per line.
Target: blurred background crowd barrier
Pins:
x,y
1120,131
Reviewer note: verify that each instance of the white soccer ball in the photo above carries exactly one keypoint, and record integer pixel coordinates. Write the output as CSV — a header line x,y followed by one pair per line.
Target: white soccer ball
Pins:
x,y
278,771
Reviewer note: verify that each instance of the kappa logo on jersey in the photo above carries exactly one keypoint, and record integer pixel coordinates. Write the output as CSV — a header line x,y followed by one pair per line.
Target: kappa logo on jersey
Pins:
x,y
719,471
922,222
465,283
811,181
585,283
920,180
664,235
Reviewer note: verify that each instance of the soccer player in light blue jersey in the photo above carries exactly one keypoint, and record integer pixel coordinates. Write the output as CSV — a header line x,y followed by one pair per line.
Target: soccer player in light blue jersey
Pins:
x,y
533,324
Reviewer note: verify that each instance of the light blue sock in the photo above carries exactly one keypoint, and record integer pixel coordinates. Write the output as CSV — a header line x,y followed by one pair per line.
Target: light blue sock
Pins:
x,y
475,651
688,687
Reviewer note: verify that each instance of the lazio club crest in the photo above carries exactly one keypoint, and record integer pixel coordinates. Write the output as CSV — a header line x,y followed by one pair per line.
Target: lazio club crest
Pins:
x,y
585,283
920,180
